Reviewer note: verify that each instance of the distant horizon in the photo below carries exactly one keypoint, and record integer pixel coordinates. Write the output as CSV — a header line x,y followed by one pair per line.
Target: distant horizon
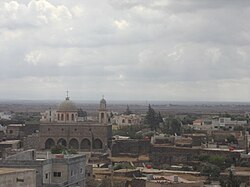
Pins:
x,y
124,101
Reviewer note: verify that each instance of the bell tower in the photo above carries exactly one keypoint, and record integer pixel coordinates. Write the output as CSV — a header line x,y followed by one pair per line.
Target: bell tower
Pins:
x,y
103,116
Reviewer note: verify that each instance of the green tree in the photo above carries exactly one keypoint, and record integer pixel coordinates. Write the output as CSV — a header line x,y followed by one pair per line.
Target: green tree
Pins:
x,y
172,126
159,118
231,181
220,161
232,139
58,149
217,160
210,170
132,131
151,119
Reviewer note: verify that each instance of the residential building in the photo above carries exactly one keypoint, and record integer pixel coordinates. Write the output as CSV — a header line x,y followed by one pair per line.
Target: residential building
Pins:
x,y
51,170
17,177
123,119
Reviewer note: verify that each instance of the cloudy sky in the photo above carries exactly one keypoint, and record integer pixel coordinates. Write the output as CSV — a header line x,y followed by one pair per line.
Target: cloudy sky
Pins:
x,y
185,50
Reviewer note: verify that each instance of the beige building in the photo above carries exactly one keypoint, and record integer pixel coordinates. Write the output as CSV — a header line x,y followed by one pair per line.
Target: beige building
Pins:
x,y
49,116
13,177
123,119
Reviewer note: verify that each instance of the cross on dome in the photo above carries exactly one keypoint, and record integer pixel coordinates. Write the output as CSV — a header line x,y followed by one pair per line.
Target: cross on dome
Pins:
x,y
67,96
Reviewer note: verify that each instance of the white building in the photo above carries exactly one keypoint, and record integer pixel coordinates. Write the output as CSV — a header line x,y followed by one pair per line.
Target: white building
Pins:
x,y
227,122
48,116
131,119
5,116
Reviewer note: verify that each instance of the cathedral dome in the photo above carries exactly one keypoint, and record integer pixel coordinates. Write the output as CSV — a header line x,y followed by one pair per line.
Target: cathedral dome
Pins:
x,y
67,106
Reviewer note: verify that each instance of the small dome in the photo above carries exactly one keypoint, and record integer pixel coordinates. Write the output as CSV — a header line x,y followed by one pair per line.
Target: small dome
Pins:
x,y
103,101
67,106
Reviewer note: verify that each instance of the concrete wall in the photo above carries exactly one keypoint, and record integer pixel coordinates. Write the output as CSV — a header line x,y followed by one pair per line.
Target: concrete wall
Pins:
x,y
24,155
130,147
18,178
176,155
64,173
154,184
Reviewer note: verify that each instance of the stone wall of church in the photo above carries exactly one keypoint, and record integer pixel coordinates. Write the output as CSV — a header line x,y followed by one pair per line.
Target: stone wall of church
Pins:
x,y
31,141
77,136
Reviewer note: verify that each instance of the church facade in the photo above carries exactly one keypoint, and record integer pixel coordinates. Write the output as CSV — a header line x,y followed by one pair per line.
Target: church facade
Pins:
x,y
65,126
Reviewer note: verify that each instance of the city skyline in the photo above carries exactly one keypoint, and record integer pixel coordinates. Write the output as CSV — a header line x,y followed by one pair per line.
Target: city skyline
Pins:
x,y
126,50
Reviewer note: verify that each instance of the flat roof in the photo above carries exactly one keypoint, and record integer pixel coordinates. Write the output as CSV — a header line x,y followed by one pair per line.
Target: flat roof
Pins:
x,y
13,170
227,150
9,142
16,125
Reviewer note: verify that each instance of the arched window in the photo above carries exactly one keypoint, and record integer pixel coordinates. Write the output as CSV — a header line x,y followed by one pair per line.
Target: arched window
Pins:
x,y
102,117
49,143
74,144
72,117
123,121
62,117
62,142
85,144
97,144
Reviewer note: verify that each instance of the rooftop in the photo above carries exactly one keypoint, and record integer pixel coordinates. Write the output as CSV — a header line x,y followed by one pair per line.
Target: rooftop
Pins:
x,y
9,142
16,125
13,170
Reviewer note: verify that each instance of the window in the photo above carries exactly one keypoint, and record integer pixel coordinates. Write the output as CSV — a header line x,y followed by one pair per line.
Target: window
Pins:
x,y
67,117
48,129
72,172
81,170
123,121
19,180
57,174
62,117
58,117
72,117
46,175
129,121
11,131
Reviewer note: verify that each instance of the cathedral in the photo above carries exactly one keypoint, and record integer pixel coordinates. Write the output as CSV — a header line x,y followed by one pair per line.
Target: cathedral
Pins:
x,y
68,127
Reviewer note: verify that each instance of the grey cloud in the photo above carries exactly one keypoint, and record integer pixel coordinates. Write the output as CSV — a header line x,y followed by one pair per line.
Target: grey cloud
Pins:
x,y
122,47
